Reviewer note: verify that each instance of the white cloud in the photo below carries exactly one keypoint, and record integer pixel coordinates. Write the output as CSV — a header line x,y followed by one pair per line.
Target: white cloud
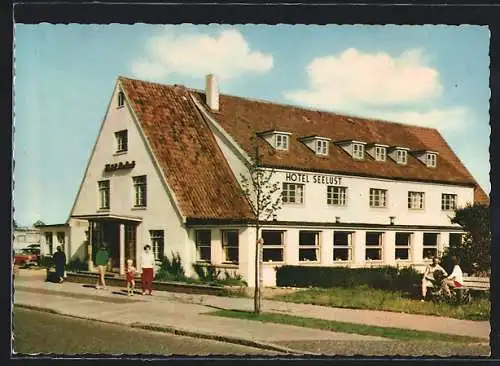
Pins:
x,y
226,55
378,85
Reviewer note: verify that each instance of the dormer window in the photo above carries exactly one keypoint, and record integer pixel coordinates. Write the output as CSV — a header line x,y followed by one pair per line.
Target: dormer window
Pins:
x,y
431,160
380,153
358,151
322,147
121,99
281,142
401,156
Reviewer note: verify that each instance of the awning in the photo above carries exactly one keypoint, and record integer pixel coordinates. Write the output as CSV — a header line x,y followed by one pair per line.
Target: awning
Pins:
x,y
107,217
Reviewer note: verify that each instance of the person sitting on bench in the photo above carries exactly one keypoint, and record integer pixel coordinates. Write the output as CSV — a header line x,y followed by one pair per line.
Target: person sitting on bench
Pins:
x,y
455,279
428,279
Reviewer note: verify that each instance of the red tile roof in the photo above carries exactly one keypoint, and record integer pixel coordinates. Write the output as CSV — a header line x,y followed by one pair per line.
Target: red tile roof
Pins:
x,y
241,118
203,183
193,164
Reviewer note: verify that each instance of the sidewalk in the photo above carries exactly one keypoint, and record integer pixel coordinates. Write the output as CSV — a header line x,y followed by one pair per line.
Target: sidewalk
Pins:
x,y
186,311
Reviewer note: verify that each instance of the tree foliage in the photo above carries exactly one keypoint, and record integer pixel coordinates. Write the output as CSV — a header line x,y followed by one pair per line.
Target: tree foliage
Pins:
x,y
475,250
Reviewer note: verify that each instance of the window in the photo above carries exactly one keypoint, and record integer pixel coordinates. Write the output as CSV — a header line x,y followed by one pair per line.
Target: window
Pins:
x,y
203,245
448,202
401,156
60,238
140,189
121,99
455,239
380,153
378,197
49,243
358,151
402,243
342,246
121,141
157,238
281,142
293,193
230,246
431,160
430,245
373,248
273,246
336,195
322,147
104,194
416,200
308,246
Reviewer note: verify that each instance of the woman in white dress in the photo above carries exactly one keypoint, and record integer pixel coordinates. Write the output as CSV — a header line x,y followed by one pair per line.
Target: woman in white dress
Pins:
x,y
428,279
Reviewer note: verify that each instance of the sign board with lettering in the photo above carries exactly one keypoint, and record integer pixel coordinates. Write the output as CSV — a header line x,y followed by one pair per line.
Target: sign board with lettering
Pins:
x,y
119,166
313,178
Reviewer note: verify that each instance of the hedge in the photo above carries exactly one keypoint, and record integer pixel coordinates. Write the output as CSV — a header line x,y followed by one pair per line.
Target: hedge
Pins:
x,y
385,278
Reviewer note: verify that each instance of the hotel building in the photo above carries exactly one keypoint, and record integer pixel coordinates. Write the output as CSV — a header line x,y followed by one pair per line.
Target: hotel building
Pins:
x,y
167,167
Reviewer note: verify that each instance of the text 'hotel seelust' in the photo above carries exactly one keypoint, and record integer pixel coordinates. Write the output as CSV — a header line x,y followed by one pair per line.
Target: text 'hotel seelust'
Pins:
x,y
167,165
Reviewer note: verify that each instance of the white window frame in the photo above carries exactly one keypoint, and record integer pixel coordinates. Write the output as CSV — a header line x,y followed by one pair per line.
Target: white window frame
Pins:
x,y
281,141
297,189
121,99
274,246
416,200
343,246
104,188
49,241
140,183
448,201
402,157
322,147
378,195
157,240
121,138
358,151
199,244
314,247
226,246
380,153
404,247
431,160
336,195
434,247
379,246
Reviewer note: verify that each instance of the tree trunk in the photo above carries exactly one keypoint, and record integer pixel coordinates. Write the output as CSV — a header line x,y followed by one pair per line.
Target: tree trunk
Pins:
x,y
256,298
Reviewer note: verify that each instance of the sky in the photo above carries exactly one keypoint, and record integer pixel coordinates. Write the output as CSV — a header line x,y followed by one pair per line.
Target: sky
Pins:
x,y
434,76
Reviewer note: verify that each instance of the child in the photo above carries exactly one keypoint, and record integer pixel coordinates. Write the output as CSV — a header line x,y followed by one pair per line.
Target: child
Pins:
x,y
130,277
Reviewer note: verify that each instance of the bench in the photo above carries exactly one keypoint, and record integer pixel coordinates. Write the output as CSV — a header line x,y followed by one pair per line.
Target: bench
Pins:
x,y
477,283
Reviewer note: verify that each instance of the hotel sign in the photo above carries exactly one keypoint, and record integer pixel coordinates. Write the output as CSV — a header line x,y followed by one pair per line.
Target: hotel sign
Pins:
x,y
313,178
119,166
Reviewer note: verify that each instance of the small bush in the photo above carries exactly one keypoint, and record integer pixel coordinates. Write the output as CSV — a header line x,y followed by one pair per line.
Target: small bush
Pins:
x,y
46,261
208,274
171,269
384,278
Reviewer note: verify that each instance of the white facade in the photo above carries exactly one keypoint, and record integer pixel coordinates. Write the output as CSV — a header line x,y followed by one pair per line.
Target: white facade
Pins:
x,y
327,234
25,236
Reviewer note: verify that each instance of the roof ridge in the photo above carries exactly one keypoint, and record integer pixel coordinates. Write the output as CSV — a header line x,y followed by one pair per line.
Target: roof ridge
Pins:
x,y
299,107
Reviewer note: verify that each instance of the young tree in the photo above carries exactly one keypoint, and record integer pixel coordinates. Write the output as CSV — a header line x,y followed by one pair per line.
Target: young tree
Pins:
x,y
475,249
261,192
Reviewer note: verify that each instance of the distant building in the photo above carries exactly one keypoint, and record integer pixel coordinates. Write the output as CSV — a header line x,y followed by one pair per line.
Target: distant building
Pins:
x,y
24,237
165,170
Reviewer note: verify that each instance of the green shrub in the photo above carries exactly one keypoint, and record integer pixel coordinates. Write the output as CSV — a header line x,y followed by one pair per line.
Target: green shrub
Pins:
x,y
384,278
171,269
206,273
46,261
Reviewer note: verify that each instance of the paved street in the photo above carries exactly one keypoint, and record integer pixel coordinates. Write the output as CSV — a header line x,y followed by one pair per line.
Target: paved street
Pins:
x,y
42,332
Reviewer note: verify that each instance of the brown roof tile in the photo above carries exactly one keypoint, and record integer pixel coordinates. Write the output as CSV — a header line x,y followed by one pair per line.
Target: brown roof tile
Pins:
x,y
242,118
193,164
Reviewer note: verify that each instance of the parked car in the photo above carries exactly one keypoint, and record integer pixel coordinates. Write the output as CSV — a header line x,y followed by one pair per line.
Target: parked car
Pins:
x,y
27,256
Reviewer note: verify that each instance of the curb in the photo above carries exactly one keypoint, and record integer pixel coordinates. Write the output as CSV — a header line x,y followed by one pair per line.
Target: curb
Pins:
x,y
181,332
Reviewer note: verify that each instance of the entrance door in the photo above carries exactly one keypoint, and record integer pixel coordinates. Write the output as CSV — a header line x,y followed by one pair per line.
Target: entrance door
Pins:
x,y
130,242
111,236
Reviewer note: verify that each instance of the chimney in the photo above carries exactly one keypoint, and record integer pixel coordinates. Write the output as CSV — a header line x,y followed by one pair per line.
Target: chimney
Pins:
x,y
212,92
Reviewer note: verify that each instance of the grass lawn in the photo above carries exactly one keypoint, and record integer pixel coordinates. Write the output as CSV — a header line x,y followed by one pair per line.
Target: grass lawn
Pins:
x,y
368,298
392,333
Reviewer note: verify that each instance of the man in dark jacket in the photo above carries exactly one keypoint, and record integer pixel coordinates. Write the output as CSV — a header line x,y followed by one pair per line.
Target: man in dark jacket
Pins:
x,y
59,259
